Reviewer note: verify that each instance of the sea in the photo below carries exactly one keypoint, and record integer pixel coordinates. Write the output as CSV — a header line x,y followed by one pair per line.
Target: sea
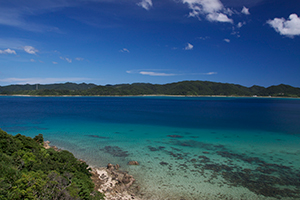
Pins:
x,y
187,147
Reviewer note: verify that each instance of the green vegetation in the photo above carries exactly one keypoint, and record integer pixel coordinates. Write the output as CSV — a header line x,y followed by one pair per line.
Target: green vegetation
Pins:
x,y
179,88
29,171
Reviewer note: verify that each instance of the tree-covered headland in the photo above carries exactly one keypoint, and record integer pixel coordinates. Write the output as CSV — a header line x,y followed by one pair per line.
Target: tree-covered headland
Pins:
x,y
29,171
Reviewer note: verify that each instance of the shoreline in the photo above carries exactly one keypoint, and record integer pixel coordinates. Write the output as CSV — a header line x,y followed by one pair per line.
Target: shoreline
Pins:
x,y
150,95
112,182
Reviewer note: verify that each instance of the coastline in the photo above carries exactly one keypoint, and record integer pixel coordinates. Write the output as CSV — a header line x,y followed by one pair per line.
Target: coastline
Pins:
x,y
112,182
150,95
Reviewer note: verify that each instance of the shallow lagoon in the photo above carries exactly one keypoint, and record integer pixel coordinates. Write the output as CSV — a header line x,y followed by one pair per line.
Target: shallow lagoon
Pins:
x,y
188,148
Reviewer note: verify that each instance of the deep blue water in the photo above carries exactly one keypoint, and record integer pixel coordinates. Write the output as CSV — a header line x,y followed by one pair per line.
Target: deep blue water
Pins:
x,y
277,115
187,147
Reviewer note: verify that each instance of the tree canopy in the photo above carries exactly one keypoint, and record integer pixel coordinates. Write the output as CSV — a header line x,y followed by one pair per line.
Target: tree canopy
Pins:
x,y
29,171
178,88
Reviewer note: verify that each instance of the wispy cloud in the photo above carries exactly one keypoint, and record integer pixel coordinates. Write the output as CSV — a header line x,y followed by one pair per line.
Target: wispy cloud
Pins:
x,y
8,51
227,40
214,10
41,80
30,50
188,47
146,4
240,24
55,63
151,72
290,27
15,13
124,50
32,60
245,11
210,73
66,59
204,38
79,59
156,73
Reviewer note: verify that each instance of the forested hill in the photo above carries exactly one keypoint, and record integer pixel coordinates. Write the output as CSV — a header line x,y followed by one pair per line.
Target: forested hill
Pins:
x,y
178,88
61,86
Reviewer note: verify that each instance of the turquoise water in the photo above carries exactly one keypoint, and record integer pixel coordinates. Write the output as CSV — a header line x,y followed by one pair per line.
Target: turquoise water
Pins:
x,y
188,148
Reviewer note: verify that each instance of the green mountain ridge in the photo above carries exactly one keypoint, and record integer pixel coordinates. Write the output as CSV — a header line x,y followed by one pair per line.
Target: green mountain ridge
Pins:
x,y
178,88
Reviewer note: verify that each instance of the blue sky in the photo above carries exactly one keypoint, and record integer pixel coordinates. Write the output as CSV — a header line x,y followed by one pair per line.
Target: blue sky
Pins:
x,y
247,42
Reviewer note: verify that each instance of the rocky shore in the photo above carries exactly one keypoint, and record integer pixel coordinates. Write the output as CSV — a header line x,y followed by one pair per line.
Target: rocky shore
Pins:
x,y
114,183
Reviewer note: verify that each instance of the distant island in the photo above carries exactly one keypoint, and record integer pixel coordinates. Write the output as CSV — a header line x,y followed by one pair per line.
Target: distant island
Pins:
x,y
184,88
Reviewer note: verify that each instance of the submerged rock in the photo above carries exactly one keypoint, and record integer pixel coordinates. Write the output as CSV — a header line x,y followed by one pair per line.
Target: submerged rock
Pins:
x,y
115,151
163,163
175,136
133,163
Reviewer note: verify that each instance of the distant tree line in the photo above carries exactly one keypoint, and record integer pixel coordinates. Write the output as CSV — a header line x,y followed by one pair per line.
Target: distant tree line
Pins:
x,y
29,171
178,88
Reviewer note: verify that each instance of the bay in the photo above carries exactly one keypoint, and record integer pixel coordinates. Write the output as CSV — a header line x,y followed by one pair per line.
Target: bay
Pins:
x,y
187,147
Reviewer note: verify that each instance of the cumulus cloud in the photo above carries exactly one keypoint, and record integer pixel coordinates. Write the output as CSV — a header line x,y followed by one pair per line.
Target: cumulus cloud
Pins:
x,y
227,40
214,10
8,51
124,50
30,50
188,47
146,4
66,59
245,11
290,27
220,17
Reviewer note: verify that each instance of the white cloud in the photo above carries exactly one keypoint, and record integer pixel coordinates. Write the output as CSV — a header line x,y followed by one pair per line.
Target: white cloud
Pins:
x,y
151,72
219,17
66,59
240,24
210,73
30,50
147,4
55,63
245,11
156,74
289,27
32,60
8,51
188,47
79,59
124,50
227,40
41,80
204,38
214,10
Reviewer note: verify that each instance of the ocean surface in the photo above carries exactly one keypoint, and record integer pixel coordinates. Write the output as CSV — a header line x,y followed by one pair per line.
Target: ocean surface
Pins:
x,y
187,147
